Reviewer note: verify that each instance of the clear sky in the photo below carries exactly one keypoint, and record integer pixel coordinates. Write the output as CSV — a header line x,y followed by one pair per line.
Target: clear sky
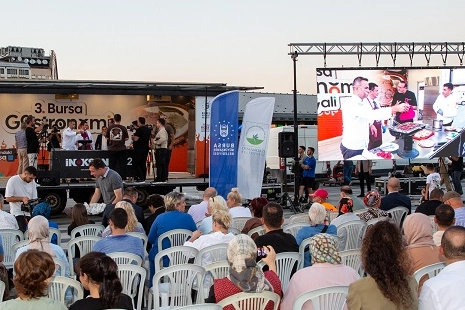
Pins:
x,y
238,42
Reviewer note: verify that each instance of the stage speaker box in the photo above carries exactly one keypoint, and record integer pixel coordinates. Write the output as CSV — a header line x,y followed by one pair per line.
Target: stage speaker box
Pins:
x,y
48,178
286,144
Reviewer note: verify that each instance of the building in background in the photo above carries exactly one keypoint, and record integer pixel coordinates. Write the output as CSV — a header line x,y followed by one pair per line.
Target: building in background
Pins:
x,y
30,63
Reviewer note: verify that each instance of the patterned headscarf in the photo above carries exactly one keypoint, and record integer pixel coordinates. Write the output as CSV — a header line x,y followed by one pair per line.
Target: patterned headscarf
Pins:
x,y
371,199
346,205
243,269
323,249
39,232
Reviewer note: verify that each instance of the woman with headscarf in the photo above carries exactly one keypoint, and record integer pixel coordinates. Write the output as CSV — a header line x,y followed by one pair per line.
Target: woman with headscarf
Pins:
x,y
256,206
44,209
38,233
418,235
244,274
326,270
372,200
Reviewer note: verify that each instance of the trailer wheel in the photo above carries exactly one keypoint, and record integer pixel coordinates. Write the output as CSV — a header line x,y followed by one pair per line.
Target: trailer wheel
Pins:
x,y
142,197
56,200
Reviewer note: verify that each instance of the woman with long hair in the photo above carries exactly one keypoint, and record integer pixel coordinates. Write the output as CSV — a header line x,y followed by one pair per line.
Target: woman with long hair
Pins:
x,y
98,273
33,270
78,217
132,226
388,285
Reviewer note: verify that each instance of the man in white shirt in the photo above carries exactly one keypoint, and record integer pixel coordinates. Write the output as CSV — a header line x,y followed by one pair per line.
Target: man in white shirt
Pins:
x,y
19,190
198,211
358,116
445,291
446,106
69,137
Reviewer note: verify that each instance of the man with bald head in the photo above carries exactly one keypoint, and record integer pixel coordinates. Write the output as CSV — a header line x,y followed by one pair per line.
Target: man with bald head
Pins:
x,y
445,291
454,199
394,198
198,211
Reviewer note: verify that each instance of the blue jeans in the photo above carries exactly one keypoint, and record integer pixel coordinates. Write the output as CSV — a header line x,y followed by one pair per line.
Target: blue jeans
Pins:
x,y
348,153
456,175
348,170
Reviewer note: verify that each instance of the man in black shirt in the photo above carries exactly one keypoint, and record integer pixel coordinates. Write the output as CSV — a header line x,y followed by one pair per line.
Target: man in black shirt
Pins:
x,y
32,140
429,206
403,95
457,167
141,140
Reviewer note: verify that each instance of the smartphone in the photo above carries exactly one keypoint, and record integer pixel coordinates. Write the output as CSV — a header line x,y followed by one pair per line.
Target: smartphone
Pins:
x,y
261,253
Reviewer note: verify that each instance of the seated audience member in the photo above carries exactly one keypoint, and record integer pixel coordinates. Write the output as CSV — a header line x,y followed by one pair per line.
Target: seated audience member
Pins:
x,y
346,192
221,223
445,290
395,199
132,226
275,236
345,212
256,205
156,206
4,273
33,271
198,211
326,270
118,240
429,206
387,263
214,204
372,200
98,274
44,209
454,199
321,196
234,203
38,233
244,274
78,217
444,218
7,220
130,195
418,233
174,218
316,215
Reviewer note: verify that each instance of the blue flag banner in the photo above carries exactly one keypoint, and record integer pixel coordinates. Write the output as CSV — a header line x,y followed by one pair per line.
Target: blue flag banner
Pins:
x,y
224,142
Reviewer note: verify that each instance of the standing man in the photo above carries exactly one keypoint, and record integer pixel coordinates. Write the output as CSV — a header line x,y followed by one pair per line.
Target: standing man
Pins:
x,y
141,147
84,135
445,290
108,183
404,96
161,150
308,166
32,140
363,169
298,172
348,169
101,141
21,147
446,106
69,137
358,116
375,130
19,190
117,135
457,167
171,135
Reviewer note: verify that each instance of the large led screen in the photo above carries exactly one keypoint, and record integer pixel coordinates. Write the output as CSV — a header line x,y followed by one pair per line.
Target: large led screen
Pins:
x,y
390,113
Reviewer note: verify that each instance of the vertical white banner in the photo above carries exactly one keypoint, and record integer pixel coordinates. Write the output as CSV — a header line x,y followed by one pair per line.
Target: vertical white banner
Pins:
x,y
253,144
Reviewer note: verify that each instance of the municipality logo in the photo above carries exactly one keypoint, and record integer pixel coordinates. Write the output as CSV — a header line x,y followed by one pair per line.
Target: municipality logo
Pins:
x,y
255,135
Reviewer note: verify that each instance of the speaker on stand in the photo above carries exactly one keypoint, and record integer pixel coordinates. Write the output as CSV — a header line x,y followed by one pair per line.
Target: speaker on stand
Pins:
x,y
286,144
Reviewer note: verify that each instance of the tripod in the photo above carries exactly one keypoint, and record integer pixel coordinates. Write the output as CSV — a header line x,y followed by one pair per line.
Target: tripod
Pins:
x,y
287,200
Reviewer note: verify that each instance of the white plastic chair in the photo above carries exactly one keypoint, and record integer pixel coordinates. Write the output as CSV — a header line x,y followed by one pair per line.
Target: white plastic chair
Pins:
x,y
351,234
176,237
211,254
55,232
251,301
58,287
175,291
2,290
331,215
326,298
132,278
178,255
61,266
201,307
239,222
260,230
398,214
294,228
217,270
234,231
372,222
431,271
433,223
87,230
10,237
84,244
141,236
18,245
299,218
285,262
353,258
125,258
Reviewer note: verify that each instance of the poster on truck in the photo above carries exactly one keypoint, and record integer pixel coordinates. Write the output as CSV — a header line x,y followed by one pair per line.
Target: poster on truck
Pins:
x,y
58,110
390,113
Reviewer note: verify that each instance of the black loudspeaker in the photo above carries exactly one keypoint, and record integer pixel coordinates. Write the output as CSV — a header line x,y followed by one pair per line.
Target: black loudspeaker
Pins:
x,y
286,144
48,178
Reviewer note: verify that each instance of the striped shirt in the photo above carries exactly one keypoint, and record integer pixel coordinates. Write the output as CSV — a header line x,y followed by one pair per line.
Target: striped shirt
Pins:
x,y
20,138
460,216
